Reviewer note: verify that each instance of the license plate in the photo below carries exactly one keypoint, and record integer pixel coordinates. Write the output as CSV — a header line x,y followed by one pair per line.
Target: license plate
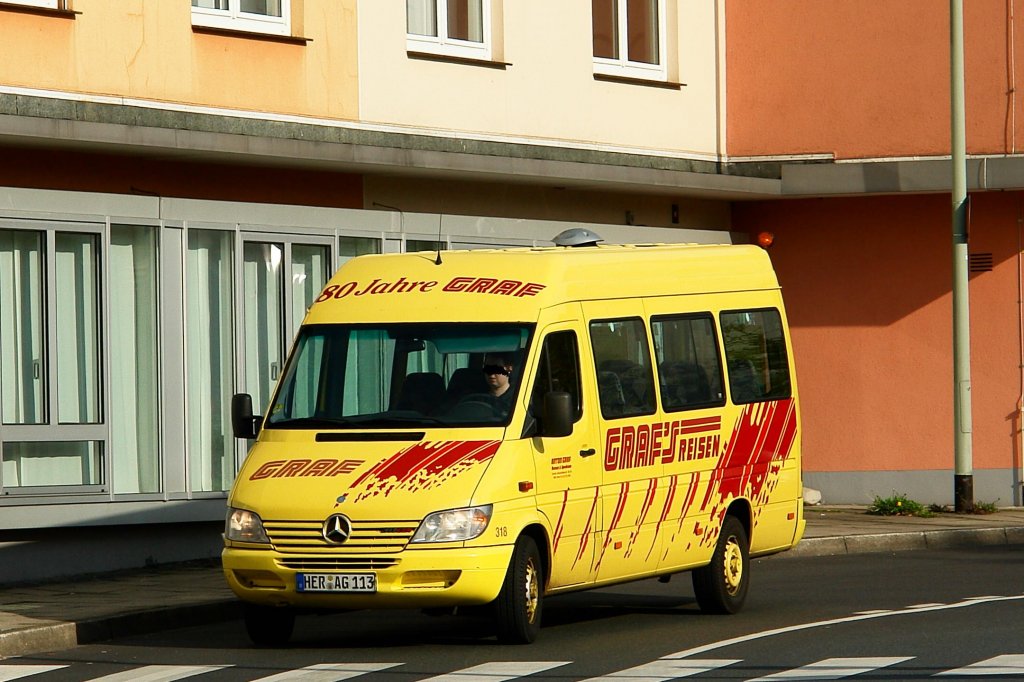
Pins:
x,y
336,582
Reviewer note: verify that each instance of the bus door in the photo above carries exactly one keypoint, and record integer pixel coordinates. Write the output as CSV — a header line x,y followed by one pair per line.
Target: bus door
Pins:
x,y
568,468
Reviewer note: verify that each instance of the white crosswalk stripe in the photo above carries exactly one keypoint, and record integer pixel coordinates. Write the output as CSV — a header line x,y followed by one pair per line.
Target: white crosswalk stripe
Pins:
x,y
1009,664
497,672
159,673
663,670
16,672
327,672
835,668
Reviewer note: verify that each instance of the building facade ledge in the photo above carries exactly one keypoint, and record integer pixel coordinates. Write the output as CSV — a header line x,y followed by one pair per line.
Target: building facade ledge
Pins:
x,y
111,124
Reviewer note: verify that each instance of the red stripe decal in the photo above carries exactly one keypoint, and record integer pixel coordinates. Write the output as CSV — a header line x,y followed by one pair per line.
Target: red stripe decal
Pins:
x,y
652,491
673,482
586,530
760,442
423,466
558,525
620,507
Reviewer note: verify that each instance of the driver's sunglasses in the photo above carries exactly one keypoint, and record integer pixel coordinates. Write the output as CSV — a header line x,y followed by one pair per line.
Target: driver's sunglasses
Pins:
x,y
495,369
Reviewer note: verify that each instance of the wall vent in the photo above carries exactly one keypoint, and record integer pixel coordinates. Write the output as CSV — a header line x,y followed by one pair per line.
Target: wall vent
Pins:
x,y
979,262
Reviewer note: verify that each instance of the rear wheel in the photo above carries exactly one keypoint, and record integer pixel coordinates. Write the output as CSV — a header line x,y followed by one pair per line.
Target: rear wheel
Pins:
x,y
269,626
721,586
519,604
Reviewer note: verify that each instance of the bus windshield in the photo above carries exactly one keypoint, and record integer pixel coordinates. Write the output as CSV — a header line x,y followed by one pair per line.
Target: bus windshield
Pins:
x,y
400,375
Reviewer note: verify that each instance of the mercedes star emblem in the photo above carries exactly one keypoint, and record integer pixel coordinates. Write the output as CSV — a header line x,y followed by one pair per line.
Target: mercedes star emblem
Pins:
x,y
337,529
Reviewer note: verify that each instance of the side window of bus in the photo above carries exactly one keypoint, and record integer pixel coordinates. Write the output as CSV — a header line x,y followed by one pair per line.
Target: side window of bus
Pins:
x,y
755,355
623,363
559,370
689,362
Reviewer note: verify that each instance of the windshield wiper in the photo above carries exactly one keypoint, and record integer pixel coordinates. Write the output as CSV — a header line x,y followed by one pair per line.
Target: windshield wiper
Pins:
x,y
312,423
401,419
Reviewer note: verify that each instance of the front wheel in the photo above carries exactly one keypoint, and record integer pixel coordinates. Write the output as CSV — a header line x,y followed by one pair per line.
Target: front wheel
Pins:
x,y
269,626
721,586
519,604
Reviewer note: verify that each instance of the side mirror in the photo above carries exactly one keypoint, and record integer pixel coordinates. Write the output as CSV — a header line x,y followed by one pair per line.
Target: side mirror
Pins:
x,y
243,423
556,420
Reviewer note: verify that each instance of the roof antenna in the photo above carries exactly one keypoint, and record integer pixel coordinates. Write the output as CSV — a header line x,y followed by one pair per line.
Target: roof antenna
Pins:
x,y
577,236
440,217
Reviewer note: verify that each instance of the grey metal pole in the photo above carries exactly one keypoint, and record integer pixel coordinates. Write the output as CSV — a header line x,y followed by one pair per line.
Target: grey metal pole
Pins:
x,y
963,480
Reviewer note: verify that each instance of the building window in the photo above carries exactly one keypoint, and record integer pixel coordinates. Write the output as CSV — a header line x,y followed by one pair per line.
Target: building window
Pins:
x,y
77,308
22,370
49,4
35,465
134,376
210,358
258,16
629,38
458,28
50,359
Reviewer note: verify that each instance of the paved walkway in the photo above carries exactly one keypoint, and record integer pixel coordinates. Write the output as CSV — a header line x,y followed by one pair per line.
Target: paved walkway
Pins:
x,y
54,616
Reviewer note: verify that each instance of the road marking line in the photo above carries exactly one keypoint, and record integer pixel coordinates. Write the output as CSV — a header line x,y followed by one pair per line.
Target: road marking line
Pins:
x,y
16,672
327,672
835,668
1008,664
835,621
663,670
159,673
497,671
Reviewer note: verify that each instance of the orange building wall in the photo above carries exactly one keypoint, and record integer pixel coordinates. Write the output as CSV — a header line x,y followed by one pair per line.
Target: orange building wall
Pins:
x,y
867,284
869,78
147,49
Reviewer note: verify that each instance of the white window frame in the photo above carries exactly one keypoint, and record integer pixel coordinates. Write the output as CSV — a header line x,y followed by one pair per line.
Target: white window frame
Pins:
x,y
48,4
234,19
622,67
441,44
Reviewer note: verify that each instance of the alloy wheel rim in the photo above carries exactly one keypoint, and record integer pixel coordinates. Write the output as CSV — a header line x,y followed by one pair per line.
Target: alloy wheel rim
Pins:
x,y
532,591
733,566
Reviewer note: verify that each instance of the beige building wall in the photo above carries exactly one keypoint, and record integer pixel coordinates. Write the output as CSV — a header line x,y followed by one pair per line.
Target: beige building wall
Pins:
x,y
546,88
147,49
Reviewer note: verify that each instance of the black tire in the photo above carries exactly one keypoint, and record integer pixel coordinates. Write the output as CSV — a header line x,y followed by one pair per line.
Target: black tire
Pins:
x,y
520,603
721,586
269,626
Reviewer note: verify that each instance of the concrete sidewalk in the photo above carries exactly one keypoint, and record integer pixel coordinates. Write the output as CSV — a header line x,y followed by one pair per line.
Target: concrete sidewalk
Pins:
x,y
51,616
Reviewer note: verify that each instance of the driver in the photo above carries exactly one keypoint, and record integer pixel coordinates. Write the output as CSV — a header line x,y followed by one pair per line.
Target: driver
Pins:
x,y
498,375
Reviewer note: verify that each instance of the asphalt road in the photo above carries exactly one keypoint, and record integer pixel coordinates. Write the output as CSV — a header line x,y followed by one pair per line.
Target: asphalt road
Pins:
x,y
907,615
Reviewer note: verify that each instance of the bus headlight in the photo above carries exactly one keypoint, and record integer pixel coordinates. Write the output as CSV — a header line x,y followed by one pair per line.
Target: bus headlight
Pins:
x,y
244,526
453,525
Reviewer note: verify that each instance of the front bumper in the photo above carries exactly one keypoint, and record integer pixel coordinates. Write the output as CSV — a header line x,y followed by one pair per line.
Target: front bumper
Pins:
x,y
420,578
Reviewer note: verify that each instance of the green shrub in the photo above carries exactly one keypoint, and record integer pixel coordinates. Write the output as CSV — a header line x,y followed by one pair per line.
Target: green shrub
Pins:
x,y
985,507
898,505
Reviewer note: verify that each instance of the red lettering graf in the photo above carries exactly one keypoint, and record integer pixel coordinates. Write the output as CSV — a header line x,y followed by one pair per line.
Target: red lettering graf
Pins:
x,y
461,285
304,468
489,285
682,440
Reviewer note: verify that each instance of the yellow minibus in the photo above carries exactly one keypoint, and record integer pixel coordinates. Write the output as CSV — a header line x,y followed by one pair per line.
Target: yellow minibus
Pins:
x,y
493,427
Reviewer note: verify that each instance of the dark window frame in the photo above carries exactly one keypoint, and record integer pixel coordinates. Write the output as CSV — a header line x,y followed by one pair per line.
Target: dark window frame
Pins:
x,y
675,317
653,407
767,357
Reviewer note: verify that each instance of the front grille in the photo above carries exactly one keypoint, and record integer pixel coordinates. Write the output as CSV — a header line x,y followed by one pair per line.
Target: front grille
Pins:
x,y
377,537
330,563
